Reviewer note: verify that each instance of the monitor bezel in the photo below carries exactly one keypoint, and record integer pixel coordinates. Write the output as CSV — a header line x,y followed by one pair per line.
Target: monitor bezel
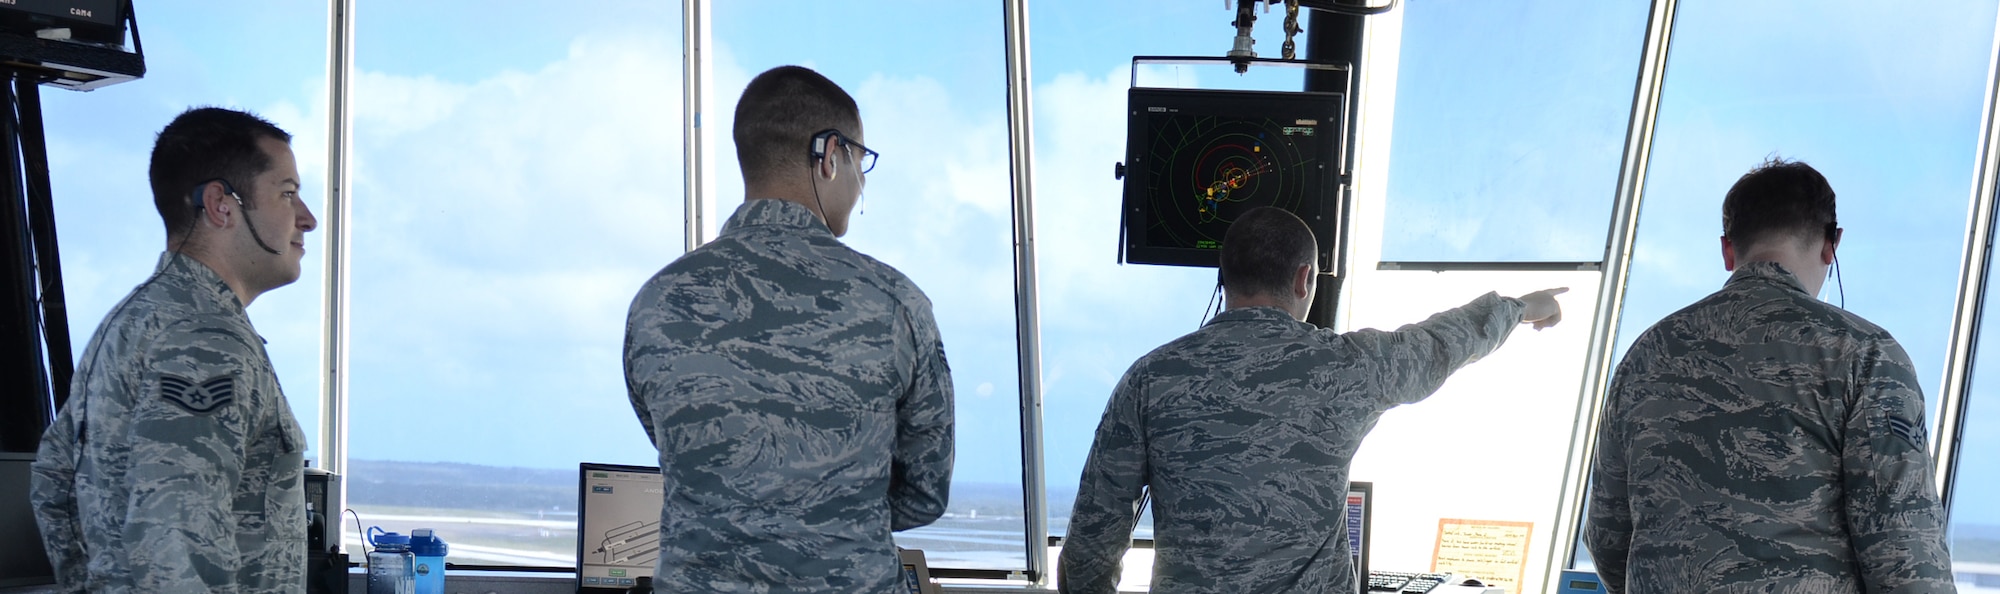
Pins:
x,y
582,509
1329,107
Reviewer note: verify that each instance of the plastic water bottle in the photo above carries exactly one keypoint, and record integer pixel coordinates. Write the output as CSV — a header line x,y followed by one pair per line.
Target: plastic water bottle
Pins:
x,y
429,551
391,567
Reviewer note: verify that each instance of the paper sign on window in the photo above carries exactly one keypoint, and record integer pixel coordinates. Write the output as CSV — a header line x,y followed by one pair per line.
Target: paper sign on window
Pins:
x,y
1490,551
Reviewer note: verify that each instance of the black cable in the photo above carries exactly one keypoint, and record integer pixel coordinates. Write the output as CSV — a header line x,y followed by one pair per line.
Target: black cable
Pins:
x,y
253,230
1211,310
1833,235
359,530
231,190
1838,282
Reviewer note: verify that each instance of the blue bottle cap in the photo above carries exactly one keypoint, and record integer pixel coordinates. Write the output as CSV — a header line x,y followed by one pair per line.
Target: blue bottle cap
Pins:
x,y
380,538
424,544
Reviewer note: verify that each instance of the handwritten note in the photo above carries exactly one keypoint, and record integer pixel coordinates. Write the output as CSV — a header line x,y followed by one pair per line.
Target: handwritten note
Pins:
x,y
1494,552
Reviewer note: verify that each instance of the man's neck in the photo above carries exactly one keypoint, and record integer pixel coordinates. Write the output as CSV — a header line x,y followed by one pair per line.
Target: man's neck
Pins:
x,y
222,269
1802,266
1230,301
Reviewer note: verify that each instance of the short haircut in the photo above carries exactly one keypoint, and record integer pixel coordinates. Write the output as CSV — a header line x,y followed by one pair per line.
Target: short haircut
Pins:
x,y
1778,198
1263,249
778,115
203,144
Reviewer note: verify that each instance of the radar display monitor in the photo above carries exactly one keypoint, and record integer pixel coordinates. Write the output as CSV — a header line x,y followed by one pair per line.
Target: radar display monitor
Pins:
x,y
1196,159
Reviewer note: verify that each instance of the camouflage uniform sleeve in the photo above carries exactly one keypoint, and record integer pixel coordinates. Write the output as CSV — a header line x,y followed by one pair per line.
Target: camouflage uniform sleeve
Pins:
x,y
633,390
1894,517
1414,361
1608,531
1107,497
187,433
920,480
53,491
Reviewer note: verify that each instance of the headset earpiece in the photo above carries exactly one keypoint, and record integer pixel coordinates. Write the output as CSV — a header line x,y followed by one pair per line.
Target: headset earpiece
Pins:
x,y
196,196
819,142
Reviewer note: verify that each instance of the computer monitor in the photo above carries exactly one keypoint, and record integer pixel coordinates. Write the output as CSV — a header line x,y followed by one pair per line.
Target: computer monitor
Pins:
x,y
1360,498
23,562
618,525
1196,159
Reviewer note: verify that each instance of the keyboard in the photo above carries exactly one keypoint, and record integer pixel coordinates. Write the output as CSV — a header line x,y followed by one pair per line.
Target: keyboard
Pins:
x,y
1405,583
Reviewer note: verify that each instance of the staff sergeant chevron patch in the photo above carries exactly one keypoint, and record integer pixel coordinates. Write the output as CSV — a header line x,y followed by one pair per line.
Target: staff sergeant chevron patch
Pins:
x,y
198,398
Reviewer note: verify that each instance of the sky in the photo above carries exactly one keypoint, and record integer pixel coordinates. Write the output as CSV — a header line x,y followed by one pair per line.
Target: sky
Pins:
x,y
517,175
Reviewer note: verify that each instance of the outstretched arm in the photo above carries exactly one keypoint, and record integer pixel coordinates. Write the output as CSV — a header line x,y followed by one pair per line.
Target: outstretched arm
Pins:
x,y
1413,361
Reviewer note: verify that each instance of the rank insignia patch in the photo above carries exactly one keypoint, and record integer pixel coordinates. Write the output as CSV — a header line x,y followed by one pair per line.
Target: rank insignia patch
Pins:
x,y
199,398
1915,433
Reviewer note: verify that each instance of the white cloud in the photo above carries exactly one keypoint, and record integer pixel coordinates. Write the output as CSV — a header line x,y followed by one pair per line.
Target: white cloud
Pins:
x,y
543,198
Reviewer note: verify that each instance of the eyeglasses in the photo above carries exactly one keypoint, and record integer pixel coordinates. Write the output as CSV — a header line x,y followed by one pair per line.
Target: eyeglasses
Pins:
x,y
867,156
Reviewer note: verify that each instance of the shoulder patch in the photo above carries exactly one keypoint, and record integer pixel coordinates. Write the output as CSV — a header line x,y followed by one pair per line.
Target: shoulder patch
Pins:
x,y
1915,433
198,397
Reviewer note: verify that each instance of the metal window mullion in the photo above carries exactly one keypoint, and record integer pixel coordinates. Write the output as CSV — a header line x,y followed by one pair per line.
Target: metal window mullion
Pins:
x,y
1611,286
694,27
338,211
1027,322
1972,276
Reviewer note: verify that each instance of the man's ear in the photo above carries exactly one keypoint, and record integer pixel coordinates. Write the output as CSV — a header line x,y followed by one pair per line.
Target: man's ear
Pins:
x,y
1728,255
1302,282
216,204
1827,248
825,167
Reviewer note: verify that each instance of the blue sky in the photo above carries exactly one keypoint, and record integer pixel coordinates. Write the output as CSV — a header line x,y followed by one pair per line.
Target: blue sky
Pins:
x,y
516,181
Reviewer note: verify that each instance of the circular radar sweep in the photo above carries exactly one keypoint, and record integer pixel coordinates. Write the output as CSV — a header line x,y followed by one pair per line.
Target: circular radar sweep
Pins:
x,y
1205,171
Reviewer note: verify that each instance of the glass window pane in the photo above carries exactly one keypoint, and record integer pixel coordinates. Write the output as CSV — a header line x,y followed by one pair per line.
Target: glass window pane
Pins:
x,y
1975,512
930,81
272,62
1098,316
517,178
1503,422
1510,123
1884,104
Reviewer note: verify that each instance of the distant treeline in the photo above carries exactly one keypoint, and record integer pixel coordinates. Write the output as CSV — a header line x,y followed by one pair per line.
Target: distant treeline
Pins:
x,y
545,490
461,486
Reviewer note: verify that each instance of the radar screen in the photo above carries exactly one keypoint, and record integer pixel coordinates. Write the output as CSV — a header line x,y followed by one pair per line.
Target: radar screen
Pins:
x,y
1196,159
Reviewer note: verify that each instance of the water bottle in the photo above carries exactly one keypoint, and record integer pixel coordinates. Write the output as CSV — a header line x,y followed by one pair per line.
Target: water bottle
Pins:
x,y
429,551
391,567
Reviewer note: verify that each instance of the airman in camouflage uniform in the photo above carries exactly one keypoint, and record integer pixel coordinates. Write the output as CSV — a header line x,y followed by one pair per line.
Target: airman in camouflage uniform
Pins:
x,y
797,389
1761,440
175,464
1244,429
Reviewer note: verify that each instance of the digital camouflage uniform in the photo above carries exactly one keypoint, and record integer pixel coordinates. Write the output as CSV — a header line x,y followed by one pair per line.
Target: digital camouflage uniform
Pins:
x,y
175,464
798,393
1244,430
1762,440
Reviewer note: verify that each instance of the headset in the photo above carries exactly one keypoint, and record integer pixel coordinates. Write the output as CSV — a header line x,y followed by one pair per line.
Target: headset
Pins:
x,y
815,153
199,204
819,142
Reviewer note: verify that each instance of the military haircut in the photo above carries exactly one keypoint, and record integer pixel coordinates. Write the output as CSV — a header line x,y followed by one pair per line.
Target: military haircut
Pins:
x,y
778,115
203,144
1263,249
1778,197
